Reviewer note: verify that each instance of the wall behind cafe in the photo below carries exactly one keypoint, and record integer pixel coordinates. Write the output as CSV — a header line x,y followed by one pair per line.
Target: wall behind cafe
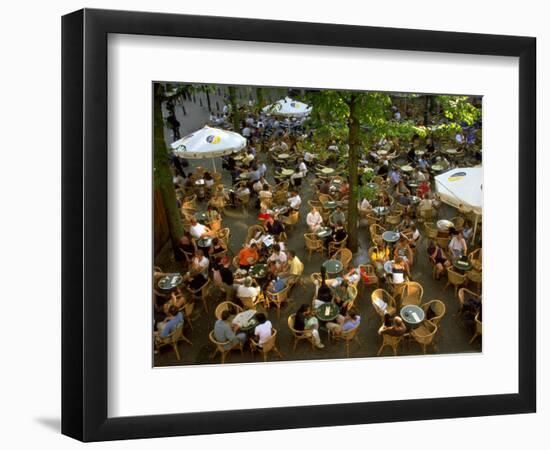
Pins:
x,y
30,229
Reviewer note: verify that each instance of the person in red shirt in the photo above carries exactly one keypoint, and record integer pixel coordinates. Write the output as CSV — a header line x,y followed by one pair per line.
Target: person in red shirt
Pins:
x,y
248,256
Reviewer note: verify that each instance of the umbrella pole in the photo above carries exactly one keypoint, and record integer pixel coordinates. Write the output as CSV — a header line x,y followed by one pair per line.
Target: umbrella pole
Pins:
x,y
475,229
214,164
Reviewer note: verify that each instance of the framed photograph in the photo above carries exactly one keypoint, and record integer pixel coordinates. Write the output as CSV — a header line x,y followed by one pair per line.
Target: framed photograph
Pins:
x,y
273,225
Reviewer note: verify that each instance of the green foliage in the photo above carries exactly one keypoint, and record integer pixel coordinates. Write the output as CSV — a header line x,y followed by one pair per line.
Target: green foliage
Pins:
x,y
459,108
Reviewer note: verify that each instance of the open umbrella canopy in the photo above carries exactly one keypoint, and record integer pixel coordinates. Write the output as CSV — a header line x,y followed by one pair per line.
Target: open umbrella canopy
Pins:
x,y
461,187
208,143
288,107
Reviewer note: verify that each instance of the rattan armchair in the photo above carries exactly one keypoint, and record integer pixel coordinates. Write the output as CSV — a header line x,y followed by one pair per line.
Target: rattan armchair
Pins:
x,y
222,349
479,328
437,307
347,336
390,341
424,334
225,306
344,255
304,335
172,339
268,346
456,279
412,293
313,244
379,295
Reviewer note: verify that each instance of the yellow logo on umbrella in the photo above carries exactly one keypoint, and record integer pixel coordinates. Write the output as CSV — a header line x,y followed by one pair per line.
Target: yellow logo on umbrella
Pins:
x,y
457,176
213,139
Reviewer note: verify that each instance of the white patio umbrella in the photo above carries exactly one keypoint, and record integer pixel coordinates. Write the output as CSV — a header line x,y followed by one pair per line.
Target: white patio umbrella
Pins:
x,y
288,107
208,143
462,187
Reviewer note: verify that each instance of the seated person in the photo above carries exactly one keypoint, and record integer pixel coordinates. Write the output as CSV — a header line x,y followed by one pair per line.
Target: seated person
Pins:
x,y
338,216
295,267
294,200
170,323
222,274
468,230
306,321
263,330
378,257
247,290
343,295
265,195
248,256
226,332
214,218
398,271
393,327
274,226
314,220
198,230
296,177
339,232
364,206
276,285
186,243
439,258
197,275
401,190
216,248
264,214
344,323
403,250
278,256
457,245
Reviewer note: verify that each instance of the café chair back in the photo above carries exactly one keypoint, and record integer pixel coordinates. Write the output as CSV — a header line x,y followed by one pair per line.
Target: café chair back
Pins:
x,y
456,279
463,295
277,299
333,247
376,232
304,335
390,341
437,308
202,292
424,334
221,347
412,293
253,230
431,230
344,255
475,258
313,244
379,295
372,278
479,328
475,277
346,336
268,346
172,339
224,306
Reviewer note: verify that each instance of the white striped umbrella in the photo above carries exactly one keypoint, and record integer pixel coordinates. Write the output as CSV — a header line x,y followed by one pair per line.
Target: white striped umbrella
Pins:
x,y
288,107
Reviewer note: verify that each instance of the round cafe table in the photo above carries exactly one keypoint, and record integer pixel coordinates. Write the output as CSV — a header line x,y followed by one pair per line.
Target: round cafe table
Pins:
x,y
412,315
373,186
462,265
258,271
200,182
437,167
238,157
327,312
414,200
246,325
204,242
323,232
283,156
201,216
382,152
330,205
170,281
420,152
381,210
388,266
451,151
327,170
287,172
390,236
333,266
406,168
280,209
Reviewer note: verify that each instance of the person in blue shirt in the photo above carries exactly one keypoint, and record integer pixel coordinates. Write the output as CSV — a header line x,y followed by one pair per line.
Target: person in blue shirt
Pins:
x,y
394,177
170,323
277,285
345,323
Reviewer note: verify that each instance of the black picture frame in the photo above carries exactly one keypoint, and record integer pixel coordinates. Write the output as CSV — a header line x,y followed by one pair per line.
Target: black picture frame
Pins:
x,y
84,224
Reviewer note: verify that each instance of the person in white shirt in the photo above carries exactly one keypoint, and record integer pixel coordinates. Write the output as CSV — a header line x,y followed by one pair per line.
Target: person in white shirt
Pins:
x,y
303,168
199,264
295,200
246,132
265,193
365,205
264,330
262,168
314,220
278,256
246,290
258,185
198,230
309,157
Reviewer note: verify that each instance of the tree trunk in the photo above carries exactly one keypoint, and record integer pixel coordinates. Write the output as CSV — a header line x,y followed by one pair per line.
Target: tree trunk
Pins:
x,y
353,163
234,109
208,100
259,99
163,177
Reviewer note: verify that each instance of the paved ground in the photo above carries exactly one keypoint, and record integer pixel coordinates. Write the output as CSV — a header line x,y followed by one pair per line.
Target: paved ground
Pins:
x,y
453,335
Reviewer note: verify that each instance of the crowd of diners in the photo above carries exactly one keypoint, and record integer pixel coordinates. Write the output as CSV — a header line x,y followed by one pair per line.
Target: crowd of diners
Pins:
x,y
267,179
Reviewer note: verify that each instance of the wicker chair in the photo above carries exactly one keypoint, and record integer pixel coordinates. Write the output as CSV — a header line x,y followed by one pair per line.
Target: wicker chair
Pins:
x,y
382,295
268,346
479,329
394,219
253,231
172,339
299,335
224,306
202,292
277,299
333,247
473,276
291,220
475,258
458,222
437,307
373,220
221,347
412,293
347,337
371,274
443,242
344,255
313,244
390,341
426,215
376,232
463,294
243,200
431,230
424,334
456,279
224,234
